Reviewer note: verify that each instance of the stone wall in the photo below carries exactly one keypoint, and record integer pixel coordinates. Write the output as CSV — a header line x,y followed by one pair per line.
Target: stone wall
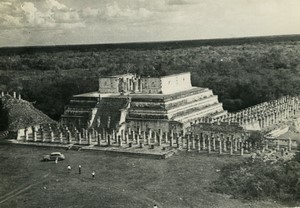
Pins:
x,y
176,83
151,85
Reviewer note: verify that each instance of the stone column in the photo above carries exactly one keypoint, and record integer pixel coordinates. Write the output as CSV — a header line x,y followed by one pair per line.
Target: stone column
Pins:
x,y
126,137
51,135
198,143
203,141
78,137
133,135
277,145
113,137
96,136
89,138
160,136
159,140
99,139
231,146
154,137
139,132
120,141
148,140
60,136
208,144
93,134
149,133
68,137
26,134
193,142
144,136
34,134
122,134
290,145
188,142
213,143
177,141
224,144
242,149
86,134
42,134
166,137
108,140
220,145
129,131
171,140
235,144
83,133
103,134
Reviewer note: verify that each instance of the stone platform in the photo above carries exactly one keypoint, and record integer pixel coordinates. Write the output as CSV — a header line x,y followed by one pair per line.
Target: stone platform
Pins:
x,y
155,153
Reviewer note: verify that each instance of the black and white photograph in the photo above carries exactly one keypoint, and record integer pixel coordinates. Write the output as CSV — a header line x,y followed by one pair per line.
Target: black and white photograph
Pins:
x,y
149,103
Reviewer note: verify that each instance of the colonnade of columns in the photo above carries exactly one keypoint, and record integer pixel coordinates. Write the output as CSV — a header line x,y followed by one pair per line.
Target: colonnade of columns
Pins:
x,y
219,143
14,94
264,114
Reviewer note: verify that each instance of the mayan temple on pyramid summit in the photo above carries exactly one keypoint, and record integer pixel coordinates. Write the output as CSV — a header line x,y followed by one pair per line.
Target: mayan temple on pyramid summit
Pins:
x,y
139,103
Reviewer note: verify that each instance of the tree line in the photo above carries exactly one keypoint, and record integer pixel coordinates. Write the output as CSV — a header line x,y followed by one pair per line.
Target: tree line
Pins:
x,y
241,75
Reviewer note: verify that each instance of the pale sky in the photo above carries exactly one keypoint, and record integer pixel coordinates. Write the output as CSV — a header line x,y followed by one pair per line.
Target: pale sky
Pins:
x,y
57,22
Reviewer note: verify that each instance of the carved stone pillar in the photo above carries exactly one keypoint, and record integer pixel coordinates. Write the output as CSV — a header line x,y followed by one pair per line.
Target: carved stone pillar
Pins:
x,y
34,136
220,145
108,140
120,142
99,139
188,142
208,144
51,135
198,143
203,141
193,142
290,145
177,141
213,143
126,137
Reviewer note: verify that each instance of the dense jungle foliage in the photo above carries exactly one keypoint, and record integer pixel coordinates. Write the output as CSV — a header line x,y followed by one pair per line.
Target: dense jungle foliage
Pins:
x,y
258,179
240,74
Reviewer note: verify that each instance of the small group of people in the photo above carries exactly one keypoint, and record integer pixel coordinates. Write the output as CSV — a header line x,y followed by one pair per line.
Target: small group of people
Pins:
x,y
79,170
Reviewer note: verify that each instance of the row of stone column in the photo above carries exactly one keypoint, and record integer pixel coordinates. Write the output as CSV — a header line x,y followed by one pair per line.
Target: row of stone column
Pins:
x,y
218,143
208,142
267,114
15,95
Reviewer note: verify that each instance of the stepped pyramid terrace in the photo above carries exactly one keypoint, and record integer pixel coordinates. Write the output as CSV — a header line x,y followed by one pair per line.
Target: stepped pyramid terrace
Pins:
x,y
141,103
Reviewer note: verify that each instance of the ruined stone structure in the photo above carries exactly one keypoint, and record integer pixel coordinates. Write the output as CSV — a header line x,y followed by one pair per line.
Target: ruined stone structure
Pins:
x,y
211,134
264,115
222,138
141,103
198,139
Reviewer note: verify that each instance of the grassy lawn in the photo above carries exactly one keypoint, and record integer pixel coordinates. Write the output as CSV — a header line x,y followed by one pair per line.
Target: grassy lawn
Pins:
x,y
180,181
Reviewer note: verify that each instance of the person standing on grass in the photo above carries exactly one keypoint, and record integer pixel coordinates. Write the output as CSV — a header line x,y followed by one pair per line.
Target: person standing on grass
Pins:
x,y
69,168
79,169
155,206
56,160
93,174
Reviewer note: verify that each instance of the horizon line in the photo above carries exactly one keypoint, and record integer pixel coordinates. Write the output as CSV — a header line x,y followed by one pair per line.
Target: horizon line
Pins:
x,y
148,42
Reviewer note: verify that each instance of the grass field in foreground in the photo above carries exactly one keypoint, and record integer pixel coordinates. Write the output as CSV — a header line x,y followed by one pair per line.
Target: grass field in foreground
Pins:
x,y
180,181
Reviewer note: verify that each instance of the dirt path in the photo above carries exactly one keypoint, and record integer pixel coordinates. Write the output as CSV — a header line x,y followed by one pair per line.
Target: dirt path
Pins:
x,y
21,189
